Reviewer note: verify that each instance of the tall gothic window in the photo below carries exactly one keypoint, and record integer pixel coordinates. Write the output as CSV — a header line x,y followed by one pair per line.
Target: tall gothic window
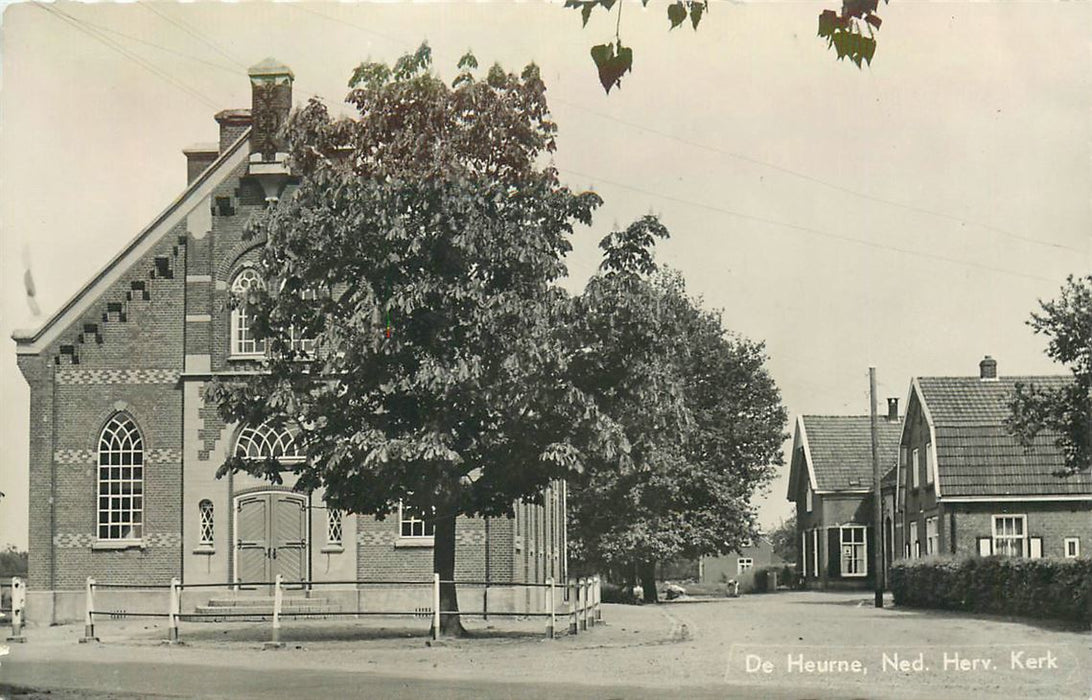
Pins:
x,y
266,442
333,527
243,341
121,480
204,510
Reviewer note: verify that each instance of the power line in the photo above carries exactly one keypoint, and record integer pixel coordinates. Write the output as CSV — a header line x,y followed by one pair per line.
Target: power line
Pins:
x,y
110,43
807,229
815,180
193,33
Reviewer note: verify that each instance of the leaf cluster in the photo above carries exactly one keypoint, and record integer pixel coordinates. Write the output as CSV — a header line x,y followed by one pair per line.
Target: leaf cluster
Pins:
x,y
1064,411
844,31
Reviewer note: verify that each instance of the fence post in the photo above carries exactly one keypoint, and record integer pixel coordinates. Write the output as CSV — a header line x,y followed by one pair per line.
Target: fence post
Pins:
x,y
436,606
89,618
598,599
571,590
590,615
278,591
172,614
583,604
551,605
18,604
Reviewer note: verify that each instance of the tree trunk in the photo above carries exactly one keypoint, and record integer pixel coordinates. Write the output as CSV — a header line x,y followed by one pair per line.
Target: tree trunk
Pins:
x,y
647,571
443,563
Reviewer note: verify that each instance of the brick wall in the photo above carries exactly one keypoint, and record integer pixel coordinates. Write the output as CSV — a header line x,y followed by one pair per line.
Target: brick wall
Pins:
x,y
1051,520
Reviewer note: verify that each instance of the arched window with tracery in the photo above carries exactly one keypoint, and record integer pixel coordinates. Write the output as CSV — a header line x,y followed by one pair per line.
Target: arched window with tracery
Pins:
x,y
120,480
205,511
243,342
266,442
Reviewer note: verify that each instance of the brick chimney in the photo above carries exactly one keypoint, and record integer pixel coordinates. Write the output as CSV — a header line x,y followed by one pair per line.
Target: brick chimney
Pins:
x,y
893,409
233,122
987,369
271,101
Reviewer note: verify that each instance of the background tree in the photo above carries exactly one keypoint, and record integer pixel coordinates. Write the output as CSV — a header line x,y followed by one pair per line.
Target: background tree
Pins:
x,y
844,32
419,255
786,540
1065,410
702,417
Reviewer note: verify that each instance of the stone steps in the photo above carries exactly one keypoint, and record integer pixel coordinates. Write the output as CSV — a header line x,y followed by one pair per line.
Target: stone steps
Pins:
x,y
260,608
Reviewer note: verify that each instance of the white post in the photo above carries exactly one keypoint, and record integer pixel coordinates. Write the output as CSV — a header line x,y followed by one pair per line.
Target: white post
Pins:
x,y
172,614
572,606
583,604
436,606
591,602
18,604
551,606
598,599
88,618
278,592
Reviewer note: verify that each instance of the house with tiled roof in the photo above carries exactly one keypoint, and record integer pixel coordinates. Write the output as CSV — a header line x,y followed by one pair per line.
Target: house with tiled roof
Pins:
x,y
967,486
830,480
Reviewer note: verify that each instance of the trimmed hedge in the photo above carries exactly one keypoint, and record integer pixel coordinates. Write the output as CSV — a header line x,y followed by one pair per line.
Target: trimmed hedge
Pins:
x,y
1044,588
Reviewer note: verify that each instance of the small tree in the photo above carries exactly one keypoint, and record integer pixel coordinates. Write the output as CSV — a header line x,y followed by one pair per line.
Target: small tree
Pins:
x,y
419,257
1066,410
702,418
786,540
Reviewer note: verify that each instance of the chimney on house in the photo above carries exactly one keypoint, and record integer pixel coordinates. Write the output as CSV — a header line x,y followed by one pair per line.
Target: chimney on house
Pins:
x,y
271,101
987,368
893,409
233,122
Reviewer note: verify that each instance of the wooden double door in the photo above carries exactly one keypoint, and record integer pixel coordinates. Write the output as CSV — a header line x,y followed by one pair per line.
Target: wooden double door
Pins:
x,y
270,537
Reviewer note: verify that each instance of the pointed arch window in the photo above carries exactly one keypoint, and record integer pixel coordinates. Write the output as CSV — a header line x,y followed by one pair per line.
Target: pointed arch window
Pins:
x,y
266,442
243,342
206,523
120,480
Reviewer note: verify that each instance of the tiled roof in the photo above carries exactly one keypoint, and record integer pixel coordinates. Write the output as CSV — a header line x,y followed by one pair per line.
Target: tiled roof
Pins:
x,y
840,448
977,456
963,400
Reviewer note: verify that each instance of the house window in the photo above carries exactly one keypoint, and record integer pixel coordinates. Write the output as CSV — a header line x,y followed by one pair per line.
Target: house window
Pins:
x,y
1072,547
333,527
915,545
807,499
205,523
414,524
854,554
1009,535
121,480
930,536
743,564
301,344
815,553
243,342
915,467
930,466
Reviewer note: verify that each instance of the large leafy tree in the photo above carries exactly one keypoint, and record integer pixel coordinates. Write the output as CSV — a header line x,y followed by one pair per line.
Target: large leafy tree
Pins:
x,y
786,540
419,255
702,417
851,32
1064,410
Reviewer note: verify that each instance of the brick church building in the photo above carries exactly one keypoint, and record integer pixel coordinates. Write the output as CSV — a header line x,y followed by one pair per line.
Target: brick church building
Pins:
x,y
124,451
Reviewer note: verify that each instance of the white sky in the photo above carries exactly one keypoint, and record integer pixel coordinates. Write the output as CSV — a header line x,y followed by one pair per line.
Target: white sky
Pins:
x,y
936,196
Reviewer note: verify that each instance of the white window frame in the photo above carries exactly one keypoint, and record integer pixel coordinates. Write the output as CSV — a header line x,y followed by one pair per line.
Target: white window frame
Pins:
x,y
1076,542
815,552
856,564
243,344
335,528
206,523
808,499
257,442
914,543
120,481
931,536
405,518
744,564
1004,541
930,465
915,467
